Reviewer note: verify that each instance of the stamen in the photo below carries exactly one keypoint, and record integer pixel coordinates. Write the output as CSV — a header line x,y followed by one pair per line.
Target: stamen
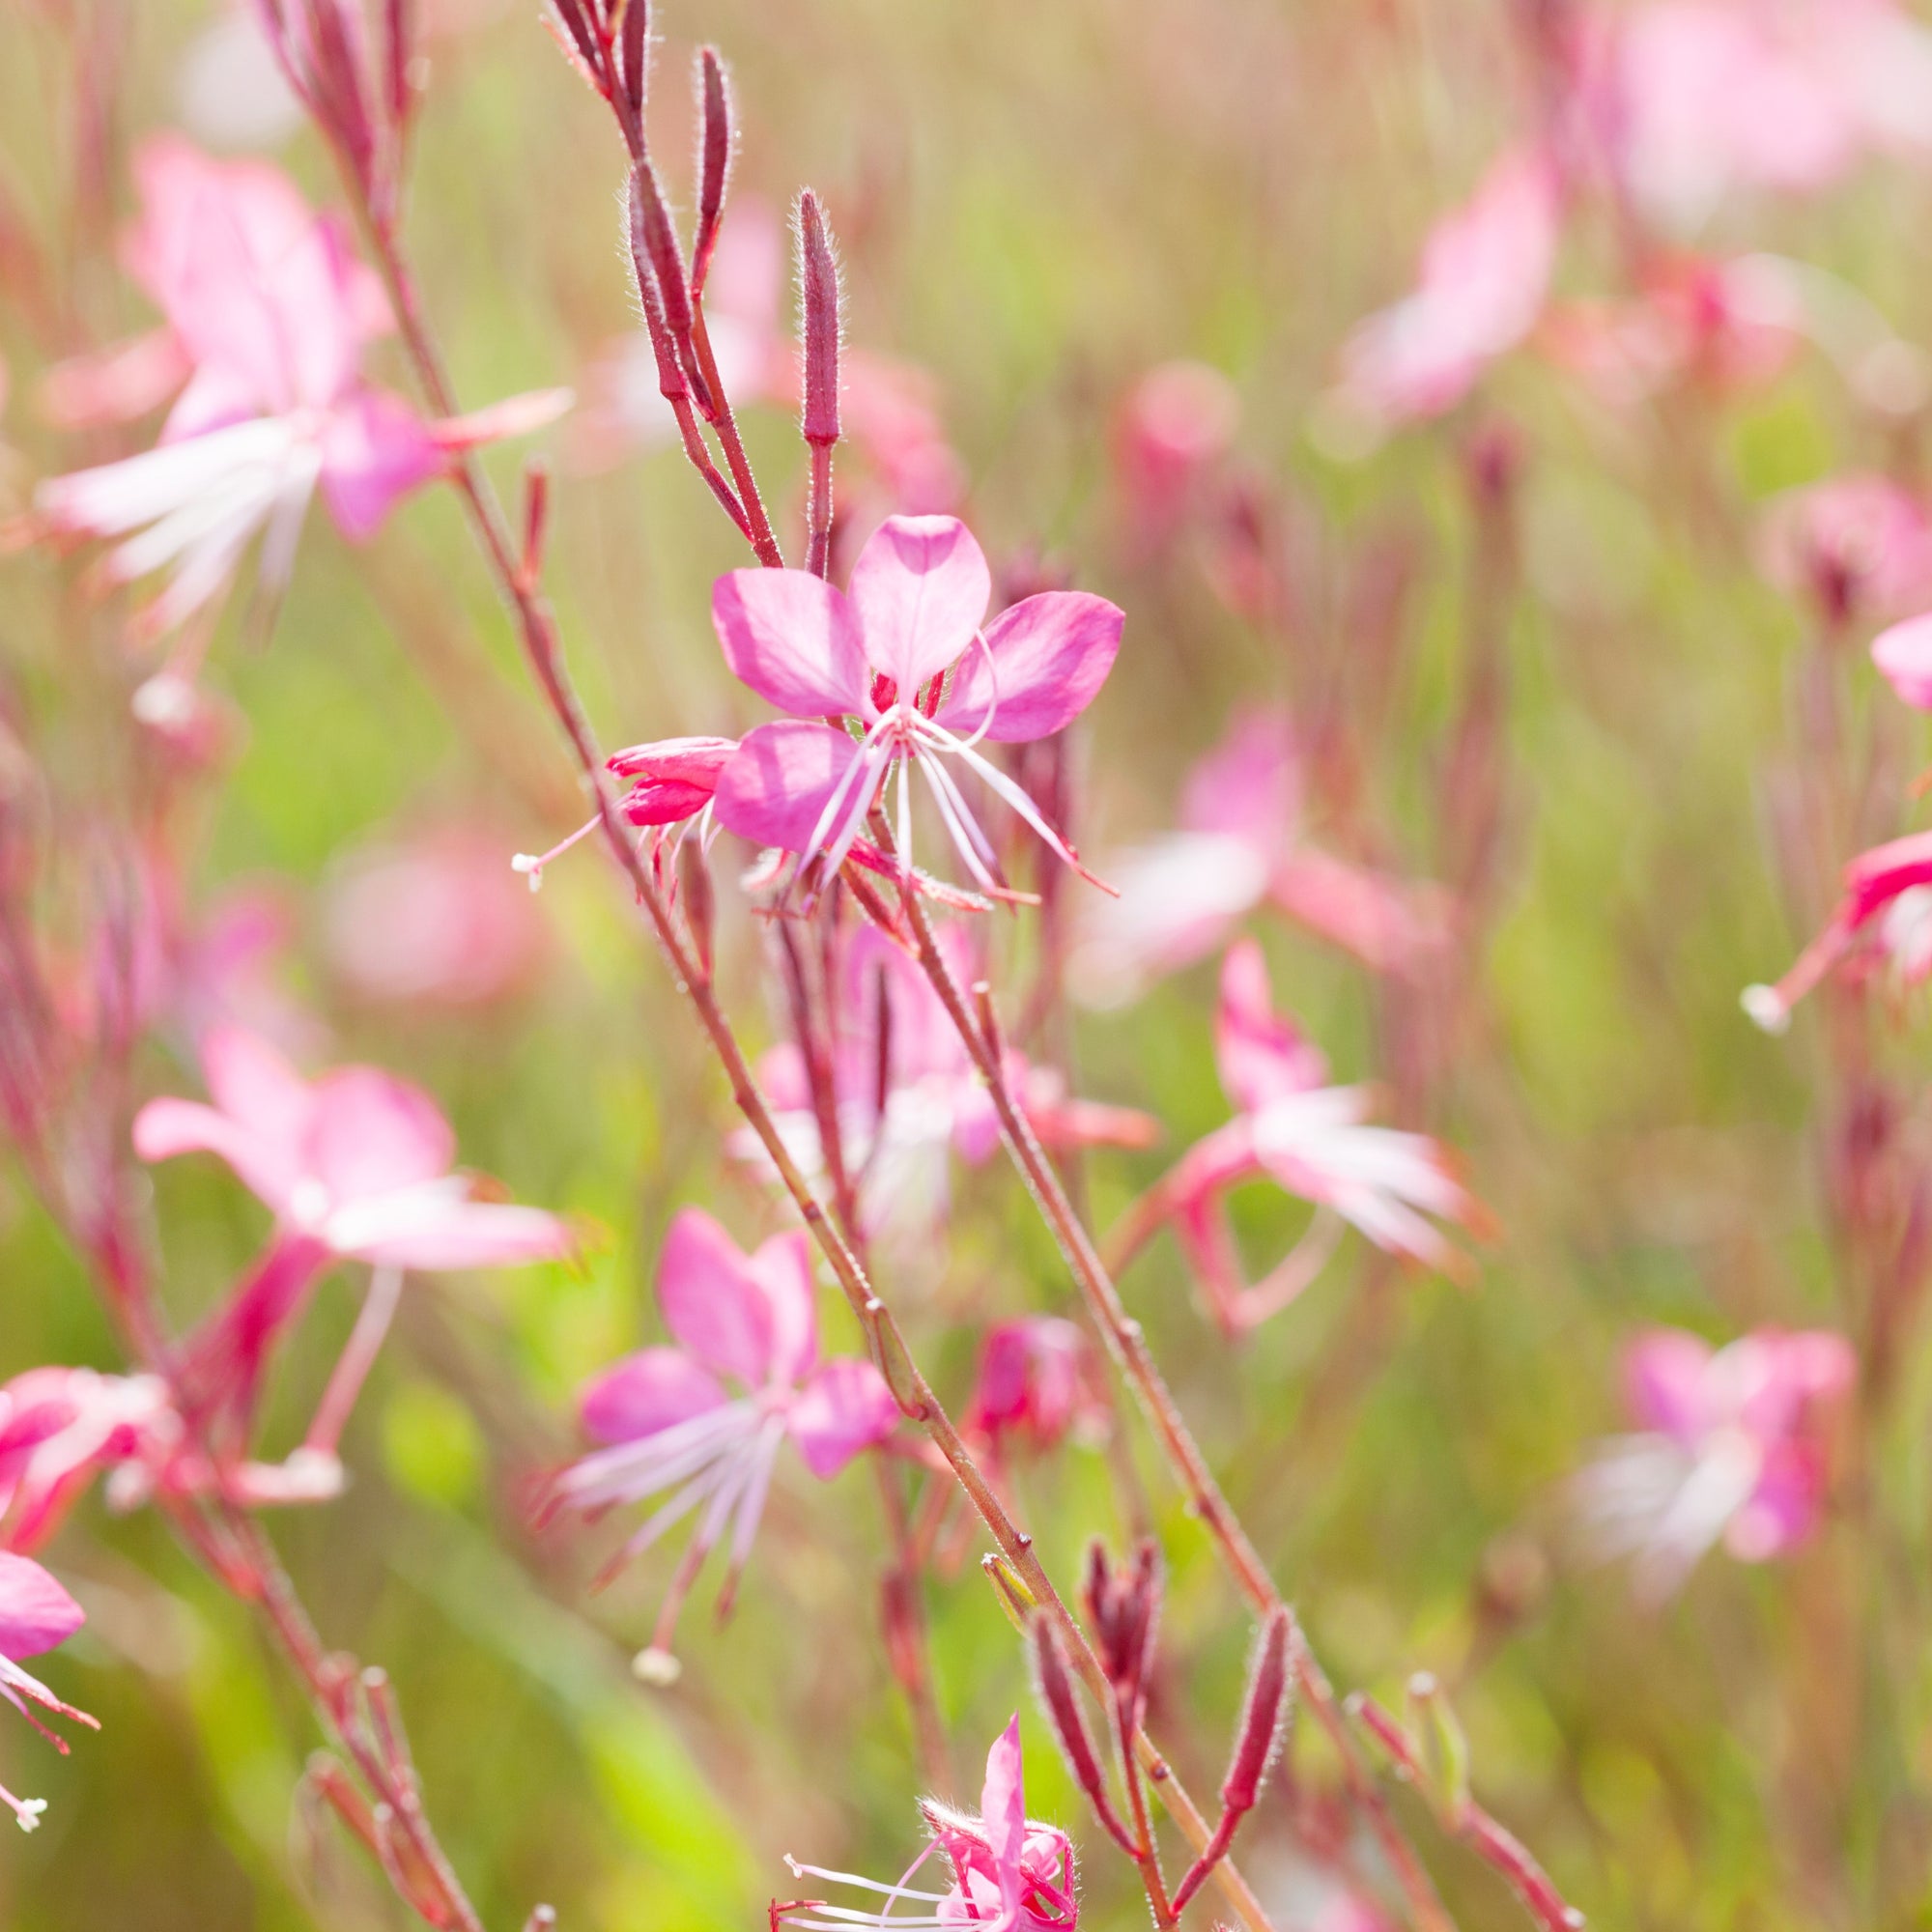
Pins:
x,y
532,865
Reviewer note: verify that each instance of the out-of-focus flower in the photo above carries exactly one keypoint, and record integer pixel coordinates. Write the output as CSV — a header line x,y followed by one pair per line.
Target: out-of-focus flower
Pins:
x,y
1884,884
1172,432
59,1427
1731,1447
1855,546
434,918
1240,847
895,1030
1485,272
35,1614
879,654
1311,1140
1009,1873
1037,1385
671,1422
1714,96
267,312
1903,655
356,1165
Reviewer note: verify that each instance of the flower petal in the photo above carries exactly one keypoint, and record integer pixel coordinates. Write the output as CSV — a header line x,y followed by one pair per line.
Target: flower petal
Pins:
x,y
651,1390
375,450
712,1299
783,1266
1003,1804
920,589
1903,655
436,1225
166,1128
1045,660
371,1133
792,638
1666,1383
777,787
1260,1055
844,1407
36,1612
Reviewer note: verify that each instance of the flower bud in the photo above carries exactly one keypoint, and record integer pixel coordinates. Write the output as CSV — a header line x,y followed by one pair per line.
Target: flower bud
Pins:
x,y
716,140
1261,1718
818,303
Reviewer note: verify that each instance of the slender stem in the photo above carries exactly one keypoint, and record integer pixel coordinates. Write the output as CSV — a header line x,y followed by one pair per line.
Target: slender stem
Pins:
x,y
818,512
724,426
358,1357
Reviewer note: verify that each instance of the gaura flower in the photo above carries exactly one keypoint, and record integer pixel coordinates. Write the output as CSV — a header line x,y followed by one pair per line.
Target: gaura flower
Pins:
x,y
907,1095
1172,434
270,310
902,655
1732,1447
1884,905
354,1166
1854,545
1240,847
671,1421
1903,655
1311,1140
58,1427
1009,1873
1485,272
35,1614
1037,1385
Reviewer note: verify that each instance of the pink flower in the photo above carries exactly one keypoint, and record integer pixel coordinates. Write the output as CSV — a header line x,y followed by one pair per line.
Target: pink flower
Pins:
x,y
1903,655
1311,1140
1036,1383
671,1422
1172,432
934,1102
1885,900
431,920
1240,847
1715,96
271,312
58,1427
1485,272
1732,1447
354,1166
1009,1873
880,655
35,1614
1854,545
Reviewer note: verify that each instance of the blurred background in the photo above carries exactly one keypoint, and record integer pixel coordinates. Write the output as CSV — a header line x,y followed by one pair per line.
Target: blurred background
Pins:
x,y
1037,207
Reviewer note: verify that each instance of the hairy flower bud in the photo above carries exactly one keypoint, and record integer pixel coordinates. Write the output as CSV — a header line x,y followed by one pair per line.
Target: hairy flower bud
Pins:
x,y
1261,1718
672,383
717,138
818,304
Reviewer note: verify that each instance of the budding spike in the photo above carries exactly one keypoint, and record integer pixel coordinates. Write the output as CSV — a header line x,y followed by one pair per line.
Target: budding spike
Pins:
x,y
672,383
818,303
717,137
1261,1718
634,39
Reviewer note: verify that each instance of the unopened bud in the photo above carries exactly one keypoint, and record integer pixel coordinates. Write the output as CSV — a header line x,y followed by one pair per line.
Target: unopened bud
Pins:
x,y
1261,1718
716,138
1063,1709
818,303
672,383
536,518
1015,1599
398,40
1445,1746
634,37
650,219
700,901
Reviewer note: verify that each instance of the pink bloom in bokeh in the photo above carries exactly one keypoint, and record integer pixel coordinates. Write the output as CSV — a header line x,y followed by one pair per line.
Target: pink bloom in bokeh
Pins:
x,y
934,1102
879,654
1714,96
431,920
35,1614
354,1166
1311,1140
59,1427
1903,655
1732,1447
1010,1874
1485,273
1855,545
1172,432
268,313
1240,847
671,1420
1883,901
1037,1385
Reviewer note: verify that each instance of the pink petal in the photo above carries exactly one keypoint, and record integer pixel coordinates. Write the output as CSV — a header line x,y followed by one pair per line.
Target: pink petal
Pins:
x,y
1249,785
1260,1055
35,1613
216,396
792,638
654,1389
375,450
1666,1383
164,1128
513,416
845,1407
775,788
1392,926
371,1133
783,1266
694,761
920,589
434,1225
712,1299
1903,655
1046,659
1002,1802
